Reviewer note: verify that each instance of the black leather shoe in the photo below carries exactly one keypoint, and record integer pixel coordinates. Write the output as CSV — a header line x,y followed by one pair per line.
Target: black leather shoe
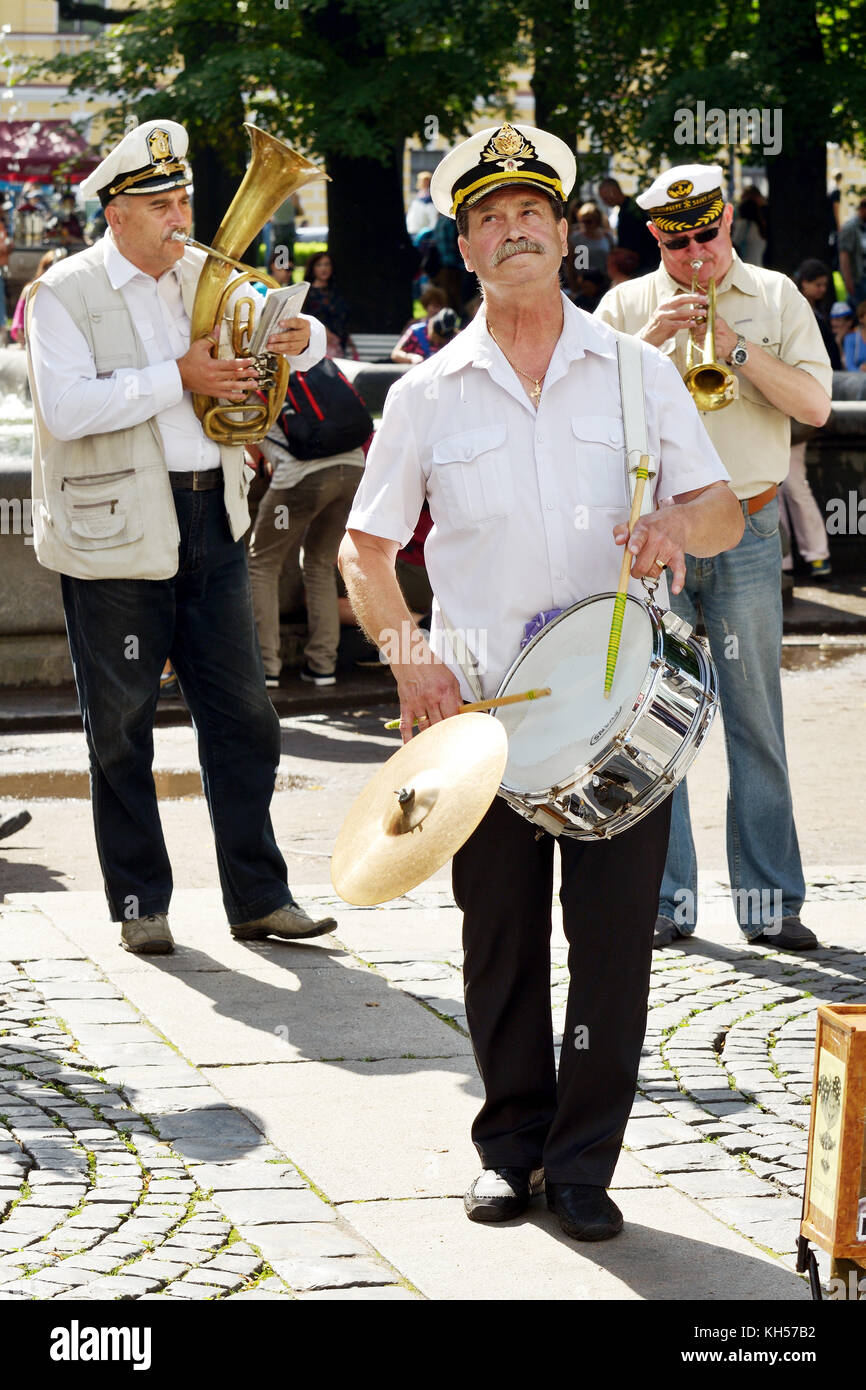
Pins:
x,y
585,1212
498,1194
667,933
789,934
10,824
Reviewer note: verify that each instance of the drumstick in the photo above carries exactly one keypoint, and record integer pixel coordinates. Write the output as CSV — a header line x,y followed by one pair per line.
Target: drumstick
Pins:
x,y
488,704
624,572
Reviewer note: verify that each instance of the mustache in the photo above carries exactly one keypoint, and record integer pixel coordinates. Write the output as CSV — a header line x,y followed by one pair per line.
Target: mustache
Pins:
x,y
516,248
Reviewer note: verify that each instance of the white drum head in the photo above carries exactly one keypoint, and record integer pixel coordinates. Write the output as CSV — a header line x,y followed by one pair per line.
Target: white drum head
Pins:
x,y
549,739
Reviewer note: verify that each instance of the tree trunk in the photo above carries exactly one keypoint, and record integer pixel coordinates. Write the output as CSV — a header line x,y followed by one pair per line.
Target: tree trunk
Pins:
x,y
374,260
214,188
553,68
798,207
790,44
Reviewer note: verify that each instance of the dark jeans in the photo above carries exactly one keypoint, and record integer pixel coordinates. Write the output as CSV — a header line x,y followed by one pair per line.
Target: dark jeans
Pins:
x,y
120,633
503,876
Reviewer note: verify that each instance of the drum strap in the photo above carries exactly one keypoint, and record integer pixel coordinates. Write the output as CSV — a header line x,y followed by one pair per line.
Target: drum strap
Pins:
x,y
630,356
462,655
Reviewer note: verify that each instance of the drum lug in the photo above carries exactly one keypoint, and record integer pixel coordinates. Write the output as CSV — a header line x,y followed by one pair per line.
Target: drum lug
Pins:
x,y
677,627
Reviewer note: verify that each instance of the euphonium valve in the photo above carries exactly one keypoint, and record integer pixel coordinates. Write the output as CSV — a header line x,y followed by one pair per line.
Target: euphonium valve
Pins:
x,y
711,384
275,171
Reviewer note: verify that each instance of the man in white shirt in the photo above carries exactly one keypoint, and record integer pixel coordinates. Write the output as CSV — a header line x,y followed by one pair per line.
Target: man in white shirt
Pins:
x,y
142,514
514,435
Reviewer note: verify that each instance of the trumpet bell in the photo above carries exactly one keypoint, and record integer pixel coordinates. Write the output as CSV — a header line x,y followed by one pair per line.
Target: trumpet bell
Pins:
x,y
711,385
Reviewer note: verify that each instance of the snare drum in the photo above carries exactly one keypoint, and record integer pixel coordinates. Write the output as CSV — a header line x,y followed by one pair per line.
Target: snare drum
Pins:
x,y
589,767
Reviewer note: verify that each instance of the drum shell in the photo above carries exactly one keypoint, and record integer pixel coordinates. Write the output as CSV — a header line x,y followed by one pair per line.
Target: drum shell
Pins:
x,y
647,754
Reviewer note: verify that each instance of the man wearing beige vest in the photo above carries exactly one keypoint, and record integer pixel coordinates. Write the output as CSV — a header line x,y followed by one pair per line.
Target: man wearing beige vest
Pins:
x,y
142,515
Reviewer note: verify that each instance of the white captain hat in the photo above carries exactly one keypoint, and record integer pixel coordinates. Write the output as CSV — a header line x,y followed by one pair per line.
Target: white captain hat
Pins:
x,y
149,159
685,197
499,157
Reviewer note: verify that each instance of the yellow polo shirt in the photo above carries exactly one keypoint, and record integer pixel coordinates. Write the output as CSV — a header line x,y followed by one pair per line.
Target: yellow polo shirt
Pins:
x,y
751,436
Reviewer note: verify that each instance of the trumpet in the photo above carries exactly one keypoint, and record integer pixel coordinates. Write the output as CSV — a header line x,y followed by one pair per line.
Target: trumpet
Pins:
x,y
711,384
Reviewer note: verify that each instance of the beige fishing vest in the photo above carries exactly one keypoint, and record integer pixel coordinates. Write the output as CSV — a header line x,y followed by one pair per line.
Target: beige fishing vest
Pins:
x,y
102,505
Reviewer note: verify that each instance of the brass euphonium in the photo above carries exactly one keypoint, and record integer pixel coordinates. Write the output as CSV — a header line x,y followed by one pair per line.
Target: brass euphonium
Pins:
x,y
711,384
275,171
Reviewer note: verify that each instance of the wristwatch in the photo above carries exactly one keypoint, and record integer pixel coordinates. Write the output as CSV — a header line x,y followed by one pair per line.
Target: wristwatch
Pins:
x,y
739,356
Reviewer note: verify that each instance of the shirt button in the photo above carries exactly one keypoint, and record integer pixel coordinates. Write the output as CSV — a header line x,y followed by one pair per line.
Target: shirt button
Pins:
x,y
612,437
550,506
539,439
560,576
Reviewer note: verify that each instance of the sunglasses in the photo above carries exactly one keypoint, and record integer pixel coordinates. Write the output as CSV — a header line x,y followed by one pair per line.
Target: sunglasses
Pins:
x,y
679,243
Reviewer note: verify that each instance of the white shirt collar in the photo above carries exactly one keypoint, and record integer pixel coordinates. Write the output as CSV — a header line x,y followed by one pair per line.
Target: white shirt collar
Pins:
x,y
580,334
119,270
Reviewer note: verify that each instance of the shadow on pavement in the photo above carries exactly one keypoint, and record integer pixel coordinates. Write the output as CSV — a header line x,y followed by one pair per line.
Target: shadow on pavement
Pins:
x,y
26,877
316,741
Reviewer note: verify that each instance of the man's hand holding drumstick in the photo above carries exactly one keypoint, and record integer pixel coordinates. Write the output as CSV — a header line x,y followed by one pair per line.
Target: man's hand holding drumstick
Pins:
x,y
691,522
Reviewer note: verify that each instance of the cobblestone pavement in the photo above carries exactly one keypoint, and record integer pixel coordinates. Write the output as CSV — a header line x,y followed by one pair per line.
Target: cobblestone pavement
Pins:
x,y
182,1197
97,1201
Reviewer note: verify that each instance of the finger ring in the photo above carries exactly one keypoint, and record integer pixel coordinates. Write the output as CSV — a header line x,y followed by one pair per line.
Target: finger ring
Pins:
x,y
662,564
423,719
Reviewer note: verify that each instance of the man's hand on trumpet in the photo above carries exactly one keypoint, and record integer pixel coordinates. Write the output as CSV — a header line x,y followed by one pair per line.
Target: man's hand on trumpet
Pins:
x,y
726,338
680,311
230,378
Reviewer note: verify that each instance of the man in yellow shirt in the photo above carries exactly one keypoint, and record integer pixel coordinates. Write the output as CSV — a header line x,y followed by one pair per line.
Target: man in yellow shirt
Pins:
x,y
767,333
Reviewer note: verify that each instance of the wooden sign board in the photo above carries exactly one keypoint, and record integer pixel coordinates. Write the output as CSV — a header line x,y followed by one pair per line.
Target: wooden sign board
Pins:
x,y
834,1211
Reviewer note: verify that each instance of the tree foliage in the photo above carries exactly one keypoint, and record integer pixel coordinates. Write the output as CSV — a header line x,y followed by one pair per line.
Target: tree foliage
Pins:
x,y
350,80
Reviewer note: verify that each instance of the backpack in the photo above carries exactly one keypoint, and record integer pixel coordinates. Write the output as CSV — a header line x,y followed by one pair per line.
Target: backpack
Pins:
x,y
323,413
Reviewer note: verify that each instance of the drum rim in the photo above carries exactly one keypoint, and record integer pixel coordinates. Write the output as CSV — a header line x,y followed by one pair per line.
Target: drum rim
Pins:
x,y
647,687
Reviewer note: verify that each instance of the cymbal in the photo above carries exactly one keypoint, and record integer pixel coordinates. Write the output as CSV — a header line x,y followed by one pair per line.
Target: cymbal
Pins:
x,y
419,809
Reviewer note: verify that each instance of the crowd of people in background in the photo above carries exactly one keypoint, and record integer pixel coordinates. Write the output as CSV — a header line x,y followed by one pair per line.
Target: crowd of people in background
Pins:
x,y
608,244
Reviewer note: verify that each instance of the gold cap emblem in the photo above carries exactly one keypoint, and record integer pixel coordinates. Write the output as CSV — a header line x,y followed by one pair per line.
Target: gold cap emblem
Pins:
x,y
505,144
159,144
681,189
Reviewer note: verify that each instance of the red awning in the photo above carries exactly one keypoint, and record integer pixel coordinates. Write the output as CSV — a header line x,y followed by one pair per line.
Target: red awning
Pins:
x,y
39,149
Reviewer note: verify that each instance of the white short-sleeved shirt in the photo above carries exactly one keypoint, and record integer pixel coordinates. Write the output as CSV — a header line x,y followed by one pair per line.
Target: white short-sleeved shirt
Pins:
x,y
523,502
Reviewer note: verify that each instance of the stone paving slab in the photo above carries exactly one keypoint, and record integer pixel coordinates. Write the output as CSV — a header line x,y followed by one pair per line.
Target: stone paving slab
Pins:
x,y
202,936
674,1251
425,1107
306,1014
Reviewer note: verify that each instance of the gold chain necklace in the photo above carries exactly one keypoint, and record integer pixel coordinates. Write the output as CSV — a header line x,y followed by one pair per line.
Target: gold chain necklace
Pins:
x,y
535,393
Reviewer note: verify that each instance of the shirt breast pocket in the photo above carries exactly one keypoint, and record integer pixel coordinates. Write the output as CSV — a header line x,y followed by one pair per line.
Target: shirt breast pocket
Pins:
x,y
599,447
768,335
472,472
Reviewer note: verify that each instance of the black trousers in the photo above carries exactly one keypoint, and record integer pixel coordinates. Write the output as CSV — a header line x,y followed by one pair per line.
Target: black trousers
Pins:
x,y
503,881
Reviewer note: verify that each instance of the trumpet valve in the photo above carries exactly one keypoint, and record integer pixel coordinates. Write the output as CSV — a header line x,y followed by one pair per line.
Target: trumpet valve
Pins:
x,y
266,365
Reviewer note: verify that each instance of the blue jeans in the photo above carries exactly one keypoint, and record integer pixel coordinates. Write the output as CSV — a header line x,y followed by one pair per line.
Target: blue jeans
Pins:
x,y
120,633
738,594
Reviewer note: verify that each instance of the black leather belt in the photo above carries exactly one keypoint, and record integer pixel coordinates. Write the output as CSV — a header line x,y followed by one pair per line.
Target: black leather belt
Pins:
x,y
199,481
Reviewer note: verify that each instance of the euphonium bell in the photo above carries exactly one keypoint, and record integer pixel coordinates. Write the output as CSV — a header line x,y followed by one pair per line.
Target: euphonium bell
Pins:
x,y
275,171
712,384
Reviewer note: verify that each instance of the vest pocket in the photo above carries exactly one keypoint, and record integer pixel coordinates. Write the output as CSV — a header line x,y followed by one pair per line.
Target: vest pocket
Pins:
x,y
101,509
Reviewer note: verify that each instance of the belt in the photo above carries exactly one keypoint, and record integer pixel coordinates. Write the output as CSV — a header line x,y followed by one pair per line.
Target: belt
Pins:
x,y
199,481
754,504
